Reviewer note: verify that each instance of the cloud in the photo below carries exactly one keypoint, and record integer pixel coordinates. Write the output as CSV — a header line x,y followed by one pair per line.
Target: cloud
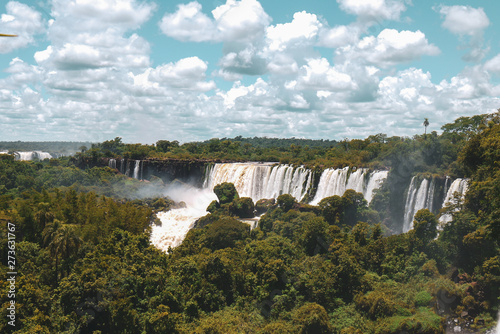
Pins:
x,y
464,20
88,16
189,23
21,75
339,36
303,29
317,74
240,25
20,20
95,76
389,48
186,74
241,21
373,10
467,21
245,60
493,65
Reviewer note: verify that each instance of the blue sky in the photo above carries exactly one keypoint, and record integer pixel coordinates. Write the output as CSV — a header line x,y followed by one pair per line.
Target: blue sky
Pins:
x,y
194,70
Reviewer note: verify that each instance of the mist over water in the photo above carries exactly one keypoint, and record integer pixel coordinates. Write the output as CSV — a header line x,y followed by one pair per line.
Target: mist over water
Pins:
x,y
176,223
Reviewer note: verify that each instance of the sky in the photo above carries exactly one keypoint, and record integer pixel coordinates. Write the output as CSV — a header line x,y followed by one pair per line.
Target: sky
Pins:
x,y
86,70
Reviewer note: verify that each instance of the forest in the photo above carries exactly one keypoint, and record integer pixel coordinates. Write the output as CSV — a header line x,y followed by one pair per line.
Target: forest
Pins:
x,y
84,261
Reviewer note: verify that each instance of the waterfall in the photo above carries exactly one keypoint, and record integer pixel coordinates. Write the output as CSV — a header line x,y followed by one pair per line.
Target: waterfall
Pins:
x,y
28,156
42,155
261,180
257,181
137,168
337,181
375,182
122,166
127,169
176,223
112,163
417,199
458,187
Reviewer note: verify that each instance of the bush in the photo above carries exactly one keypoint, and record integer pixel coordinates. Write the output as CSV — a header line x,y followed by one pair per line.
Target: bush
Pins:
x,y
286,202
226,192
242,207
225,232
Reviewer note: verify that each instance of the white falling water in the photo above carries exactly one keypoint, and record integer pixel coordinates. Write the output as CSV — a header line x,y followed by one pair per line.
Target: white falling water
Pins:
x,y
176,223
458,187
374,182
417,199
112,163
32,155
137,168
261,180
122,166
337,181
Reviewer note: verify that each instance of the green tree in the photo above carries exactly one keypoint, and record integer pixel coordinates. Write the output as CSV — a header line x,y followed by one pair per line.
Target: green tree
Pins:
x,y
425,225
226,192
312,319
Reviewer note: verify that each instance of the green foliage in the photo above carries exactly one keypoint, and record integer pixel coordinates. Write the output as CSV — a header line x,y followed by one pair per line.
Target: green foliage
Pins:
x,y
286,202
424,225
312,319
242,207
225,232
264,205
226,192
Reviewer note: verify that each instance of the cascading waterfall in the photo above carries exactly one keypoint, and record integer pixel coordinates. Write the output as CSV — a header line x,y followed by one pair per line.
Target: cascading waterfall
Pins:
x,y
122,166
261,180
28,156
417,199
374,182
137,169
257,181
254,180
112,163
127,168
337,181
458,187
176,223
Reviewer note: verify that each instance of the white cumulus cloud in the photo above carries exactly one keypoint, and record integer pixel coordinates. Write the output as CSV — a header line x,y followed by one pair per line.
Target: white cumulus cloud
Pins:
x,y
304,27
467,21
189,23
390,47
242,20
373,10
464,20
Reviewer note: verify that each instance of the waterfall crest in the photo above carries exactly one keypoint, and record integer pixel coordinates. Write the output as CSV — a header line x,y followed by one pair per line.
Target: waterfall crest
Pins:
x,y
337,181
261,180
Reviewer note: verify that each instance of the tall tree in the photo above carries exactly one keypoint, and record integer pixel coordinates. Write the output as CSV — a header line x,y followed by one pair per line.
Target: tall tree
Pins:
x,y
426,124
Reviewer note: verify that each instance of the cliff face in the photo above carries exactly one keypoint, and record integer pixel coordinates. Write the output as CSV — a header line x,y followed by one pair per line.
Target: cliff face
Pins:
x,y
191,171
